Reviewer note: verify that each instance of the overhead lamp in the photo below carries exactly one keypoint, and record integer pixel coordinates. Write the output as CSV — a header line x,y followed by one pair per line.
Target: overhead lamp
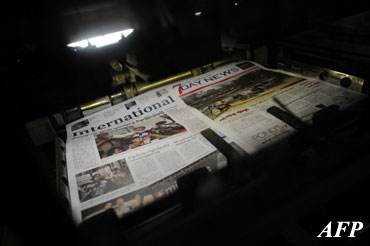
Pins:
x,y
103,40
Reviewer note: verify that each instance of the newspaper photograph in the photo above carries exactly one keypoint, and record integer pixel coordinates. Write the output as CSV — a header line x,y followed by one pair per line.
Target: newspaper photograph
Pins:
x,y
121,152
216,98
147,132
103,179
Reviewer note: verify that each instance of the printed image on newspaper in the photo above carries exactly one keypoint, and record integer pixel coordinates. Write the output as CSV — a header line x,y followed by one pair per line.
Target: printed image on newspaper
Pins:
x,y
129,155
237,96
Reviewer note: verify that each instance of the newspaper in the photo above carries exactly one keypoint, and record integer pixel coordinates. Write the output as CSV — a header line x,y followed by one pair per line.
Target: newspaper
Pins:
x,y
236,96
131,154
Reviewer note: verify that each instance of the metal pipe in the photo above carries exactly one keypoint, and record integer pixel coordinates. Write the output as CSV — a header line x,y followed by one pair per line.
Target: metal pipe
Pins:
x,y
96,103
141,87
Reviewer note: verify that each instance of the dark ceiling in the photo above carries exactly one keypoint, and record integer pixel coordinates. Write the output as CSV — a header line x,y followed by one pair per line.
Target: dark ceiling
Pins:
x,y
45,76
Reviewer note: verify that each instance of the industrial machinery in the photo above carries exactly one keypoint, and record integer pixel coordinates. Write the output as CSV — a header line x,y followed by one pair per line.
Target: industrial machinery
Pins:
x,y
66,60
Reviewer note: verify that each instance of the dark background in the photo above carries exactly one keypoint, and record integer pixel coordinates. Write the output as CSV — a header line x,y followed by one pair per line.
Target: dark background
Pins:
x,y
41,76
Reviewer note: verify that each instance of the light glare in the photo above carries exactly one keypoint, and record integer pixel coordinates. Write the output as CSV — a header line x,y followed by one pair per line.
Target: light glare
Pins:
x,y
82,44
127,32
102,40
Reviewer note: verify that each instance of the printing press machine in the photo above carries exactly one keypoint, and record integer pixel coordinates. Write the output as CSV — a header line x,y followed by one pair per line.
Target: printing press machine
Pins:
x,y
285,194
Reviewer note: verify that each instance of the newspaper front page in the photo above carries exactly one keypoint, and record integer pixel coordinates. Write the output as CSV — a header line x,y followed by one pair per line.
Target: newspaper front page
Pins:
x,y
236,96
131,154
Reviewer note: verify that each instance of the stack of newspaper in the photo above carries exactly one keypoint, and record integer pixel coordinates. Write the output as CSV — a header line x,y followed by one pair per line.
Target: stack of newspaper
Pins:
x,y
131,154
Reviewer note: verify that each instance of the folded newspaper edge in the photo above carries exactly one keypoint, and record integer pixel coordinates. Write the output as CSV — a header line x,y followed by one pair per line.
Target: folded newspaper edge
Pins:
x,y
61,171
131,154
